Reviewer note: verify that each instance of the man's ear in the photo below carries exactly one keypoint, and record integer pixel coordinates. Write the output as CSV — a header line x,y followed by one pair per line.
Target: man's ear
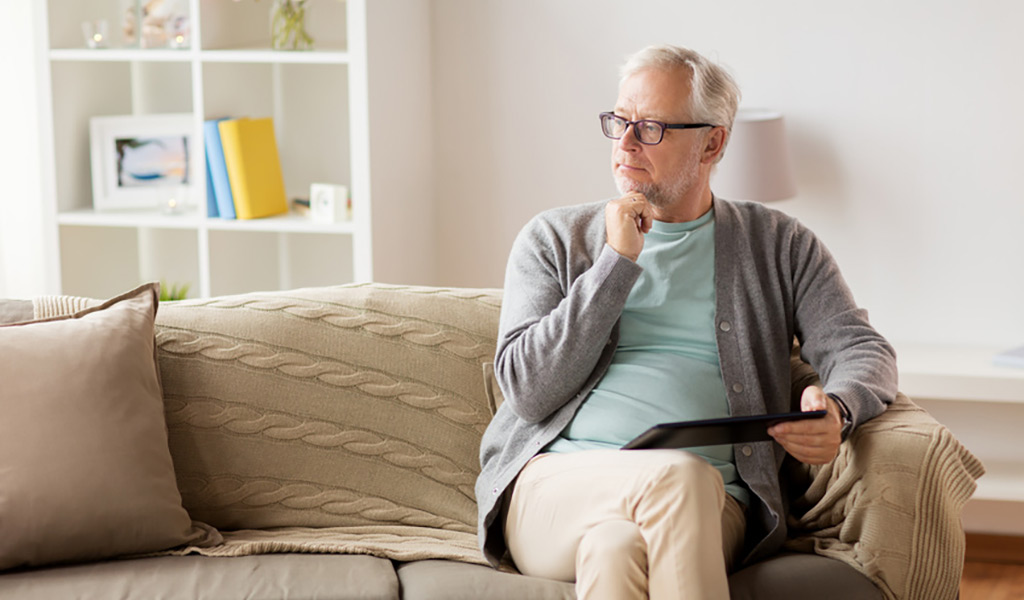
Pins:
x,y
714,144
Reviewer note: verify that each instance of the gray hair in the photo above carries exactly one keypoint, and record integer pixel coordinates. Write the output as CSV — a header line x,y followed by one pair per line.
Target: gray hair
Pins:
x,y
714,95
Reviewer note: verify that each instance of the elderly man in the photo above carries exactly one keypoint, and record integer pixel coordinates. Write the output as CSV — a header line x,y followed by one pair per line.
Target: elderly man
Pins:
x,y
665,304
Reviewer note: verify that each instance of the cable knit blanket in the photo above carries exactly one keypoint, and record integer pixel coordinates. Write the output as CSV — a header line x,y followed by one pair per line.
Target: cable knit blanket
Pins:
x,y
348,420
340,419
889,505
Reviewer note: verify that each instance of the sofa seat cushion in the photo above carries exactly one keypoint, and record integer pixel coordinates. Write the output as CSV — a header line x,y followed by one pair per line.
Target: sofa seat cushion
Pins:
x,y
269,577
791,575
446,580
782,577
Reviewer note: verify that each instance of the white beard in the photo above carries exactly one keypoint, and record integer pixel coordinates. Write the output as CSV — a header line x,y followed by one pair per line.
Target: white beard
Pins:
x,y
665,194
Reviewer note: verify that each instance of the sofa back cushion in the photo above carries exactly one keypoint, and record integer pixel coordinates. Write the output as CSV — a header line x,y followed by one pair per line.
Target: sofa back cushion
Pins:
x,y
358,405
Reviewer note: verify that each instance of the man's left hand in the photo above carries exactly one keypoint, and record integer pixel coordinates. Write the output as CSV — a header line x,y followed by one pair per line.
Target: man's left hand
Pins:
x,y
812,441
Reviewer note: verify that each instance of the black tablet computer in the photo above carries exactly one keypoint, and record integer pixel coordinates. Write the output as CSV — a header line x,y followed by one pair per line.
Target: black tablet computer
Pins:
x,y
710,432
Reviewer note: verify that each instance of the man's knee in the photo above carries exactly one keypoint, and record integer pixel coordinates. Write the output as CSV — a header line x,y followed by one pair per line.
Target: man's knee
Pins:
x,y
686,469
612,548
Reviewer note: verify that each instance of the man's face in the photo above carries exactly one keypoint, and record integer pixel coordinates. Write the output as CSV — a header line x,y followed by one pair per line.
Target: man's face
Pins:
x,y
667,171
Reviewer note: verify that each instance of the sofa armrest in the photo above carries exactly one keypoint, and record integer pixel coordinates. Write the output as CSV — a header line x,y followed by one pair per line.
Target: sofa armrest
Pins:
x,y
889,505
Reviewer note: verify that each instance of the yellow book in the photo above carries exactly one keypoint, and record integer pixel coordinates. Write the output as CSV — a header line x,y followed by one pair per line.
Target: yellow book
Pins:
x,y
254,168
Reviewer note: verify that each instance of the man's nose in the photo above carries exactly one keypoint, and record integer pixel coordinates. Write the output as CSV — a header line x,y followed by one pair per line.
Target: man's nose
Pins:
x,y
628,140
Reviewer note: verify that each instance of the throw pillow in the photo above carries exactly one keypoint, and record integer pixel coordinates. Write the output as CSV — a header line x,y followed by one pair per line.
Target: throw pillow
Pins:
x,y
85,469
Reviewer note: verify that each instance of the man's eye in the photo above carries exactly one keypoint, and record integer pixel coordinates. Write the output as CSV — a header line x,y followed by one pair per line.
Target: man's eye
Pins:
x,y
651,129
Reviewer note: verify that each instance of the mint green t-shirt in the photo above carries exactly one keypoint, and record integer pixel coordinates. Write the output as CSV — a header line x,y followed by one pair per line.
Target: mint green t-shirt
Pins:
x,y
666,365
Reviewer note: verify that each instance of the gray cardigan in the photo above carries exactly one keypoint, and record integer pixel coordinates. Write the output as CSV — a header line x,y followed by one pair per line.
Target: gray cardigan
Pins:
x,y
564,293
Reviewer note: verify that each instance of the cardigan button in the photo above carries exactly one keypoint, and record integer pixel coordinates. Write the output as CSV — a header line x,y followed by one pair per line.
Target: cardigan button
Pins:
x,y
737,387
747,451
725,326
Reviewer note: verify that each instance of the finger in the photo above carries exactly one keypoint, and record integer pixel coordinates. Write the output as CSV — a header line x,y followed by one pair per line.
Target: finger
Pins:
x,y
817,433
633,198
812,454
632,206
807,427
640,207
646,222
821,426
813,398
635,206
805,441
820,448
630,199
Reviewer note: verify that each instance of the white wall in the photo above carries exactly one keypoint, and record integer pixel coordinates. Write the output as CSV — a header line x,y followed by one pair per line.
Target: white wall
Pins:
x,y
905,119
401,141
905,122
22,235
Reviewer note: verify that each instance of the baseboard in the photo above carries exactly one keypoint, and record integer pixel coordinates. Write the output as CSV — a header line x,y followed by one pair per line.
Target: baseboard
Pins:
x,y
982,547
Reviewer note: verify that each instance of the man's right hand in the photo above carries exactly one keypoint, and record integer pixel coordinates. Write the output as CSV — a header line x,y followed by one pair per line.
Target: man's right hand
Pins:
x,y
626,220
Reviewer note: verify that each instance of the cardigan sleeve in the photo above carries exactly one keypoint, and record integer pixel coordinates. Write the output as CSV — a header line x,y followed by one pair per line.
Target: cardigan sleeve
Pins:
x,y
555,325
836,338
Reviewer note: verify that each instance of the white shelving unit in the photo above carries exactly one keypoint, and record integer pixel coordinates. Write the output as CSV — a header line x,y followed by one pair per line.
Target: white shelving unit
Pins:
x,y
983,405
321,104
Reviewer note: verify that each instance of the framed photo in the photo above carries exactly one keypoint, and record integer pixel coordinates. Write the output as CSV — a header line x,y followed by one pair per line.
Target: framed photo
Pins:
x,y
142,162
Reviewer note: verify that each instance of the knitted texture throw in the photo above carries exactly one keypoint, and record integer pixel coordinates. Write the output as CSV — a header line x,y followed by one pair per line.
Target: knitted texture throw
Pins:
x,y
889,505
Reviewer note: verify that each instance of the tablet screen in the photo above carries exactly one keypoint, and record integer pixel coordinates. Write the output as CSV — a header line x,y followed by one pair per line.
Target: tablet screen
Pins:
x,y
730,430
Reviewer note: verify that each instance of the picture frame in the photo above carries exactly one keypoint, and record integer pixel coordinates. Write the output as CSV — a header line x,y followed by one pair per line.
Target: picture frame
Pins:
x,y
143,162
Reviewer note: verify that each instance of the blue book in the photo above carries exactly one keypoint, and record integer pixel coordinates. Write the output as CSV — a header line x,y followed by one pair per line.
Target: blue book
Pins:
x,y
211,199
218,170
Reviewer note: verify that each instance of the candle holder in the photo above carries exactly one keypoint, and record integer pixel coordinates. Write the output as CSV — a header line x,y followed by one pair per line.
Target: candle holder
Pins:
x,y
174,203
96,33
177,30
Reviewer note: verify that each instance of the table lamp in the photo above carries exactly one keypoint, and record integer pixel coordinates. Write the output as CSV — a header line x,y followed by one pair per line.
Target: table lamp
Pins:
x,y
756,164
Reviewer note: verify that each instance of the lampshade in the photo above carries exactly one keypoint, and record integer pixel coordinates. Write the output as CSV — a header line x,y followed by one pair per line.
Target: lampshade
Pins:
x,y
756,164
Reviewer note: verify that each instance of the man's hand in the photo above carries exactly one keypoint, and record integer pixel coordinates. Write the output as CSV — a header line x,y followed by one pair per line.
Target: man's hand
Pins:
x,y
813,441
626,220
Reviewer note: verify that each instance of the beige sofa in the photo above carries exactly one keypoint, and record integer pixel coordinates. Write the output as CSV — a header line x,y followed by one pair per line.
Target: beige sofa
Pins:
x,y
330,436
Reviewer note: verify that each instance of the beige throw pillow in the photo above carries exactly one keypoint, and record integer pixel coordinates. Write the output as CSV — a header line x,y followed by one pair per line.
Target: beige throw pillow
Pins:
x,y
85,470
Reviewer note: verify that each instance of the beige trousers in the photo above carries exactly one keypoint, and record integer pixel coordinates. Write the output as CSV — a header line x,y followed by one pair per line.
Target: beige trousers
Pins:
x,y
626,524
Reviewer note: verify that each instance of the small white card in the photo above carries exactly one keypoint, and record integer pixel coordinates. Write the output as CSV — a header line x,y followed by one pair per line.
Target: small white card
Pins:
x,y
328,203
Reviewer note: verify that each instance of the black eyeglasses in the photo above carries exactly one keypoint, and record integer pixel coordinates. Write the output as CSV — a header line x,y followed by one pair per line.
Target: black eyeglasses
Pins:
x,y
646,131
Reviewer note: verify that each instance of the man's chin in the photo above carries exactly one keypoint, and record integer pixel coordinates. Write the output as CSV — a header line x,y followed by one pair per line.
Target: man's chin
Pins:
x,y
626,185
651,192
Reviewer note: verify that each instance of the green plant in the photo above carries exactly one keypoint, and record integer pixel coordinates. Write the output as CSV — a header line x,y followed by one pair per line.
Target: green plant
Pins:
x,y
288,26
177,291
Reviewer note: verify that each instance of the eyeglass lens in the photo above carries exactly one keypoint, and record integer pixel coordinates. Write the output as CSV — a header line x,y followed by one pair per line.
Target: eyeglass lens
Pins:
x,y
648,132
